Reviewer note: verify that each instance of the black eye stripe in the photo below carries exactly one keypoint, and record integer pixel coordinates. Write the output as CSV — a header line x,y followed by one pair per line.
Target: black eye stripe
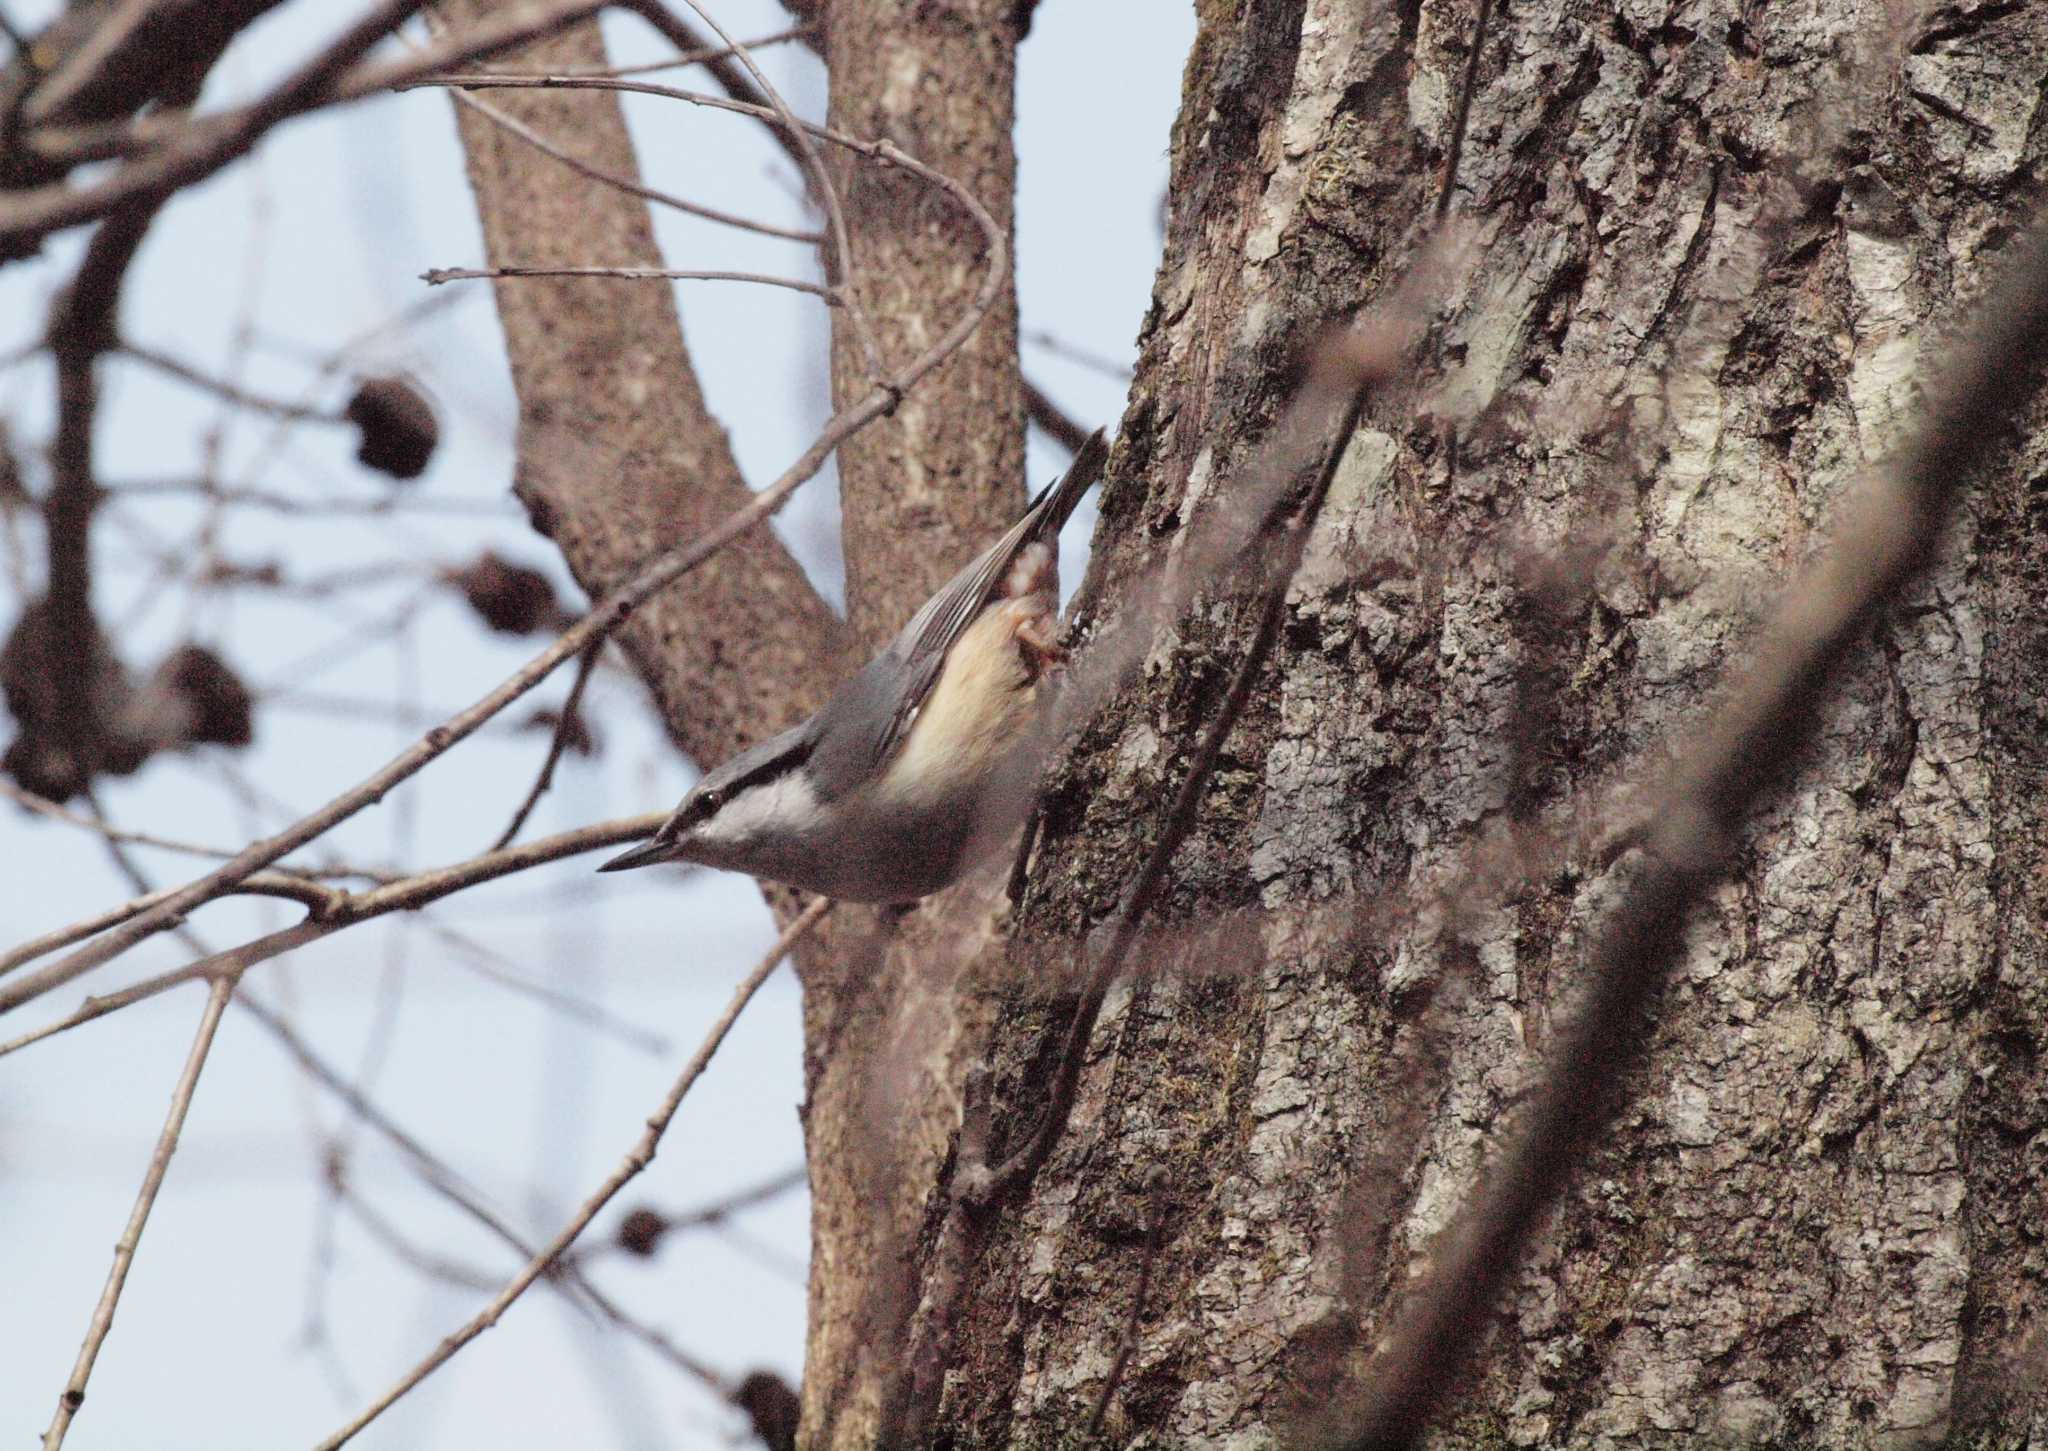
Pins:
x,y
707,801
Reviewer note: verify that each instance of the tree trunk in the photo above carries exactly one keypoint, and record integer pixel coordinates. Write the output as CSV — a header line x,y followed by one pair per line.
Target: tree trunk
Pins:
x,y
619,456
1710,238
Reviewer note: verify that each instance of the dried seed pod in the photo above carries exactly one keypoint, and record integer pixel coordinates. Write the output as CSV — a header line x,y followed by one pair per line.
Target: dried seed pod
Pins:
x,y
640,1232
398,427
512,598
220,709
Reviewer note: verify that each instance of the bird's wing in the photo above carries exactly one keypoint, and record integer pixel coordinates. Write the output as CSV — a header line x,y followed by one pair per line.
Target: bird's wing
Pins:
x,y
921,647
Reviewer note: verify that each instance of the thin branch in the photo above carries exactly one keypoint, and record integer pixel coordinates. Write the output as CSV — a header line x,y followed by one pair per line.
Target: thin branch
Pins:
x,y
700,55
840,273
42,806
344,910
660,572
1889,530
145,1199
262,884
637,1159
232,392
393,502
435,276
557,743
627,184
435,1174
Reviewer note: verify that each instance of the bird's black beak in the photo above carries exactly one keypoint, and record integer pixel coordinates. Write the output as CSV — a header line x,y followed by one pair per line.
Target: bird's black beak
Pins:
x,y
647,854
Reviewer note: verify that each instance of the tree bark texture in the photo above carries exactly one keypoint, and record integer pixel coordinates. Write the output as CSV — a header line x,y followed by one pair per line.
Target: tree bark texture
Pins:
x,y
619,457
1716,243
924,490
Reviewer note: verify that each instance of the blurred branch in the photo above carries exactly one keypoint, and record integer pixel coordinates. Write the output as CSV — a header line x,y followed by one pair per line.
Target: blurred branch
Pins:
x,y
1058,425
705,55
1060,348
438,1176
102,62
556,745
182,150
29,801
1343,374
394,502
231,392
637,1159
1888,532
81,328
641,1232
431,1169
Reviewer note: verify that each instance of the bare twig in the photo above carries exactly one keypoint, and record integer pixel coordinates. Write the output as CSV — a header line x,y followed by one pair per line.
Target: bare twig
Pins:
x,y
41,806
232,392
557,743
262,884
637,1159
630,185
342,910
840,273
700,55
145,1199
1889,530
435,276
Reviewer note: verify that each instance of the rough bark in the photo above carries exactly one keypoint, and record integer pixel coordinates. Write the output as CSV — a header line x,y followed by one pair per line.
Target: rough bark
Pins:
x,y
619,456
1712,239
924,490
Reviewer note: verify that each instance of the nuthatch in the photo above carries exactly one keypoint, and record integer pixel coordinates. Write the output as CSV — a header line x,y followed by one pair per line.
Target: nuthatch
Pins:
x,y
879,797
